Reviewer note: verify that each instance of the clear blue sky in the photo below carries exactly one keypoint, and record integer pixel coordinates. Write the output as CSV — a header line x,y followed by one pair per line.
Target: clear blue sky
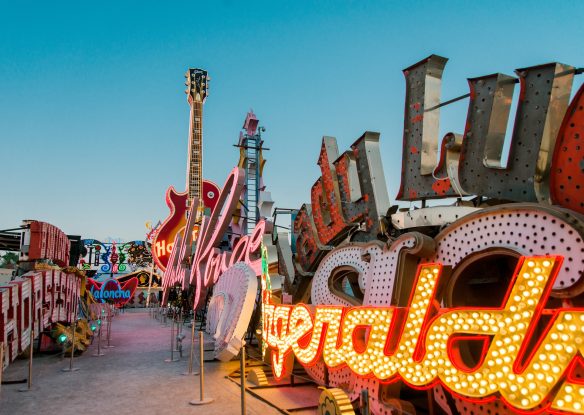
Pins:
x,y
94,120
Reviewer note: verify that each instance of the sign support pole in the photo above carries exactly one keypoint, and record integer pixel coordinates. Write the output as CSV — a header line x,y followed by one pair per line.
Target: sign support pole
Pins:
x,y
150,283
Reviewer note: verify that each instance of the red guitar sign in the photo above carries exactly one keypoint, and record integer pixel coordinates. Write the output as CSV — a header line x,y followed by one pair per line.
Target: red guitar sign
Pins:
x,y
206,191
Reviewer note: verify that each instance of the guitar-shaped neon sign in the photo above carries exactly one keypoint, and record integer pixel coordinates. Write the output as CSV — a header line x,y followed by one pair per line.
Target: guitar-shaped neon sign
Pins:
x,y
205,190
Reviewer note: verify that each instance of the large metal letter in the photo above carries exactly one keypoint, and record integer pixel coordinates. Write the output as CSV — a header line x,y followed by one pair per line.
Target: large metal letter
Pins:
x,y
309,249
543,99
422,175
362,187
325,197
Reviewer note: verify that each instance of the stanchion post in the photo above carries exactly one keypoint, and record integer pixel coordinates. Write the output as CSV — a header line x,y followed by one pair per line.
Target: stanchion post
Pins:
x,y
242,376
177,331
99,353
202,400
29,381
190,372
172,359
1,362
71,368
109,328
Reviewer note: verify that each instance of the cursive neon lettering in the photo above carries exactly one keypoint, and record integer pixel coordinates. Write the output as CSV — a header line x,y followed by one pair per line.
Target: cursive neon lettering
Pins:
x,y
425,349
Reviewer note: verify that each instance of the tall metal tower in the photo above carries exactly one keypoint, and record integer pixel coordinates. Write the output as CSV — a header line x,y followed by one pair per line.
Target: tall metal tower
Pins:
x,y
255,199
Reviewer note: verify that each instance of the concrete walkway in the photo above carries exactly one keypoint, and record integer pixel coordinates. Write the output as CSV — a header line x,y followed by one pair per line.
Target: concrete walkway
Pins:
x,y
131,378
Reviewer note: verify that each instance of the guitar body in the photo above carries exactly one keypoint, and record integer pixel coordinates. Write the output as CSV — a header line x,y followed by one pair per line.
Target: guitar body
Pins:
x,y
177,219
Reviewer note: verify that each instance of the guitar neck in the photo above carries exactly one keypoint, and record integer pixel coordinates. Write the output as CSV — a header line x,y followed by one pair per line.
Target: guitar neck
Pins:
x,y
195,161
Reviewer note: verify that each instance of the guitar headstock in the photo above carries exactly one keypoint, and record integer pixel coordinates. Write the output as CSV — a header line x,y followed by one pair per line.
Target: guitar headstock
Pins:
x,y
197,85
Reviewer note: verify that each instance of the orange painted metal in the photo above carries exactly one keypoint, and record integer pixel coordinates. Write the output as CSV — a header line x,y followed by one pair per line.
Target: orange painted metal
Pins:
x,y
567,171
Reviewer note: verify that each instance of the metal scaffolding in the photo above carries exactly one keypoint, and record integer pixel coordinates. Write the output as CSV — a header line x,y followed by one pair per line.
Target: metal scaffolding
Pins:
x,y
251,146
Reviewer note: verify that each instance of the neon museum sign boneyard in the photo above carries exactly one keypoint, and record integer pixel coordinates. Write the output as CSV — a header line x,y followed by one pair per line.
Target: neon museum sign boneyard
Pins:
x,y
530,368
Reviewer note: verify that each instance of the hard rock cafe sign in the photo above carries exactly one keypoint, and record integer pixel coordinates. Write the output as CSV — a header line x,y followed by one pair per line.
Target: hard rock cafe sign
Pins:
x,y
481,303
233,273
203,268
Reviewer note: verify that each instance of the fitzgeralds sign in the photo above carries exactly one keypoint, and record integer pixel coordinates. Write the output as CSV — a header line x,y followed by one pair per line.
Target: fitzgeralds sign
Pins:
x,y
110,291
419,344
